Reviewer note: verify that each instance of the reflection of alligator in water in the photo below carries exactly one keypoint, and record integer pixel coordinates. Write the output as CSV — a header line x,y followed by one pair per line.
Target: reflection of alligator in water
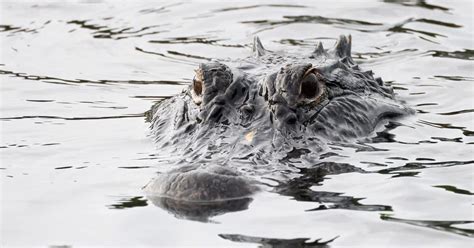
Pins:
x,y
270,115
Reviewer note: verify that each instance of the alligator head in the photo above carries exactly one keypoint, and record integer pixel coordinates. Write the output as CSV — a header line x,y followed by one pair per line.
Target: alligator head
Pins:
x,y
245,119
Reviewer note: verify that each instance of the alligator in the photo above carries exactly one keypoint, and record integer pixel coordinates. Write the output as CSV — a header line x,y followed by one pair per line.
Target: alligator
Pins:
x,y
243,123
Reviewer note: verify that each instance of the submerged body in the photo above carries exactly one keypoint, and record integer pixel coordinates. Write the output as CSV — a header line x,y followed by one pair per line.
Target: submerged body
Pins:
x,y
267,115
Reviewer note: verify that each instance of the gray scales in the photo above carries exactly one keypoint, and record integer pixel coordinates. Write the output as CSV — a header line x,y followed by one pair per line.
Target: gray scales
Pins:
x,y
267,117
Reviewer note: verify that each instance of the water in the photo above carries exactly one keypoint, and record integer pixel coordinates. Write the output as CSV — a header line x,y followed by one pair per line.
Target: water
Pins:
x,y
76,79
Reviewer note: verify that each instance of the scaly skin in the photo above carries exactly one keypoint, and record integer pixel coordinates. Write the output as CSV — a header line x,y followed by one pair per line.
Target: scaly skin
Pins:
x,y
267,115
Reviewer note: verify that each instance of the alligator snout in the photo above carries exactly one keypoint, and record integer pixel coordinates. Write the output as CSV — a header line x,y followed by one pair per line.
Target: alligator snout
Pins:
x,y
201,183
201,190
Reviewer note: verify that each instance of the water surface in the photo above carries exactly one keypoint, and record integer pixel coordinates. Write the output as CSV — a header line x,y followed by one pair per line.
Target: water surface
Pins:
x,y
77,78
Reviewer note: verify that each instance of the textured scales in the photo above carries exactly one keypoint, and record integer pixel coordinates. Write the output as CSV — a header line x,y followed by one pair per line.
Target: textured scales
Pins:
x,y
261,116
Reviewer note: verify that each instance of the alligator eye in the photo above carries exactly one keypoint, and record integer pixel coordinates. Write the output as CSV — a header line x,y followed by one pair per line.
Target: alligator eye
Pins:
x,y
197,87
311,86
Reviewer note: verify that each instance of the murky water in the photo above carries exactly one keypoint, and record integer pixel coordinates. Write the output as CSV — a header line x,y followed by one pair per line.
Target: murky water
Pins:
x,y
75,149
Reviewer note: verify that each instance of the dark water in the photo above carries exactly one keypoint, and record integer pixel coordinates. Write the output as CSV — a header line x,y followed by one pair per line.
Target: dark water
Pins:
x,y
75,150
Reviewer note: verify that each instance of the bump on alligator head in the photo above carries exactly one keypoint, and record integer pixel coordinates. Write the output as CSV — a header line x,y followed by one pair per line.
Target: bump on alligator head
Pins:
x,y
238,120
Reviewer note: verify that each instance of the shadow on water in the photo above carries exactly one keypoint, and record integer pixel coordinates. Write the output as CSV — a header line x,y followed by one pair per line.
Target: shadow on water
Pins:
x,y
177,54
56,80
417,3
454,78
311,19
357,25
276,243
465,131
454,189
159,10
446,226
285,6
77,118
407,169
104,32
194,40
16,29
466,54
341,22
385,136
132,202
